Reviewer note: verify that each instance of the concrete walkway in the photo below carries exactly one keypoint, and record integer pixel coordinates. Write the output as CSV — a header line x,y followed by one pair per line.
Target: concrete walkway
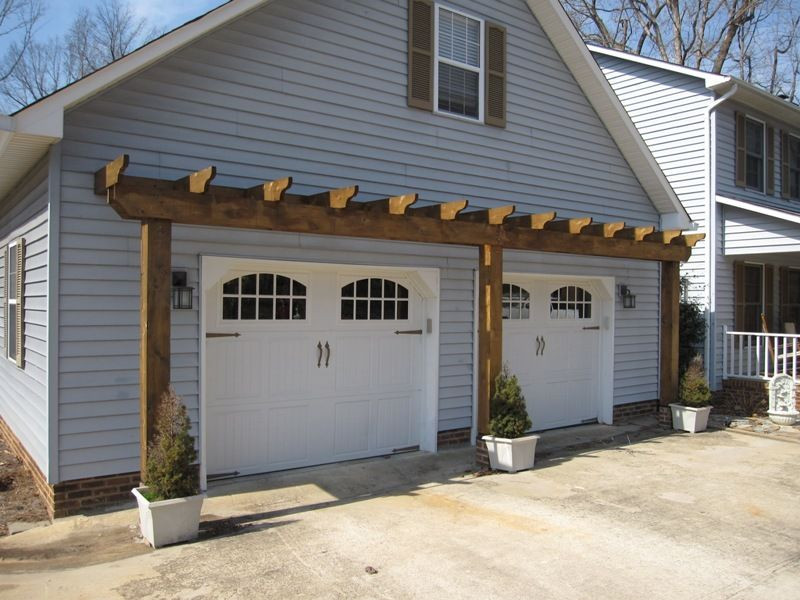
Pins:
x,y
621,513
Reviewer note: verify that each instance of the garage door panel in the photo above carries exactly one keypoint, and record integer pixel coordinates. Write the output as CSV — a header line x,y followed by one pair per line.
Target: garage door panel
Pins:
x,y
351,359
288,370
238,439
352,427
393,415
236,365
395,364
287,434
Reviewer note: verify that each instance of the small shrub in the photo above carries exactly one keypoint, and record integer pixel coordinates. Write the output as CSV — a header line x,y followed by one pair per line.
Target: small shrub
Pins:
x,y
692,333
694,389
509,417
171,472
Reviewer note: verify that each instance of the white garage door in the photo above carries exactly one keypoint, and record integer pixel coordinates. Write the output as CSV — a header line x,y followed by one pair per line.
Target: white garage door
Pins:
x,y
551,341
305,367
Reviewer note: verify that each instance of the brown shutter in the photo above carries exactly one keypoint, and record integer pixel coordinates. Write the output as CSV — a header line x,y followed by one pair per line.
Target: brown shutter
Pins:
x,y
20,300
5,298
769,297
741,156
420,54
738,294
785,186
783,295
770,161
495,111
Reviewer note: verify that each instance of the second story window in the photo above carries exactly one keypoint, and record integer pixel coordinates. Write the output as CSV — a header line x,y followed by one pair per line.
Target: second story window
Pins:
x,y
754,149
791,166
459,74
755,156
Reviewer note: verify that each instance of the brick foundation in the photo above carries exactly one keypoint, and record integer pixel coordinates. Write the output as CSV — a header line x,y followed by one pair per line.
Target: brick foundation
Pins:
x,y
76,496
644,408
79,495
481,454
39,479
665,416
453,437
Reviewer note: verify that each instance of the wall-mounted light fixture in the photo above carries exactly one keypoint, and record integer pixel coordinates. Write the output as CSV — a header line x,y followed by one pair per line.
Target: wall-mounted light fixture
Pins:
x,y
181,293
628,298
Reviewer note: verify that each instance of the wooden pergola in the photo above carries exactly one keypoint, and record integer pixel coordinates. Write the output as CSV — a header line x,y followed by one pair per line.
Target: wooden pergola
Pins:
x,y
192,200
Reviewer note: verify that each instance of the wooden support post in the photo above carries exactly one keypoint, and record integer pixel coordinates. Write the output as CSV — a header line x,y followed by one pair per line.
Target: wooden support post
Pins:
x,y
155,306
490,328
670,317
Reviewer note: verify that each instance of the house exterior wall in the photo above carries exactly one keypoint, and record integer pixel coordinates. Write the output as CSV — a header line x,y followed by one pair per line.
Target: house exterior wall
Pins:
x,y
23,391
669,110
748,232
317,90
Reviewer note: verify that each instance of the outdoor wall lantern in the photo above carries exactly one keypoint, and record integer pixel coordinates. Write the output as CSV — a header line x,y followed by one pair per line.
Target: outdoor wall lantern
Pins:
x,y
181,294
628,298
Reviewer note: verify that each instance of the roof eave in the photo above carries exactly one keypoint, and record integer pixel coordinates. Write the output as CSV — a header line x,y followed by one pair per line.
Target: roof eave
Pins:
x,y
752,96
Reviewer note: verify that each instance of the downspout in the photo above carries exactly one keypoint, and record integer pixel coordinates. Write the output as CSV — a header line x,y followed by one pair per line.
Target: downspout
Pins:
x,y
711,237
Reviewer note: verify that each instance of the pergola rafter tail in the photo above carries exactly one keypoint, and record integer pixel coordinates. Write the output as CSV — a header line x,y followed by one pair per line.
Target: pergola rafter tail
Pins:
x,y
194,200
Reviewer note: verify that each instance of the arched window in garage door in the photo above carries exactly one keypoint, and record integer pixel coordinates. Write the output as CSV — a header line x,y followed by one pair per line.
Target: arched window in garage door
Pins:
x,y
374,299
263,297
516,302
570,302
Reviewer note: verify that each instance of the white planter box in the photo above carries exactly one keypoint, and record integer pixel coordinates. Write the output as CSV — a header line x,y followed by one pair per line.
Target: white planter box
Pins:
x,y
782,418
511,455
168,521
687,418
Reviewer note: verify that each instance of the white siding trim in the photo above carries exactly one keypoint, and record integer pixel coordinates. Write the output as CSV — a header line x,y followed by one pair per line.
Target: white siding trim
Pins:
x,y
761,210
53,268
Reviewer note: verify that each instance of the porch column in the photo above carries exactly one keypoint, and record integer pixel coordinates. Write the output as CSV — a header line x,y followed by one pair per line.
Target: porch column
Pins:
x,y
155,306
490,327
670,325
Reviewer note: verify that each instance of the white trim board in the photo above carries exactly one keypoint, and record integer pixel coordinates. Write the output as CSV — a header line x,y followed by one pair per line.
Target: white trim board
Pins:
x,y
761,210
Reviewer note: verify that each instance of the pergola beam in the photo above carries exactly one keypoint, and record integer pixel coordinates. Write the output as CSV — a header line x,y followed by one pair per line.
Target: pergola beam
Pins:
x,y
142,198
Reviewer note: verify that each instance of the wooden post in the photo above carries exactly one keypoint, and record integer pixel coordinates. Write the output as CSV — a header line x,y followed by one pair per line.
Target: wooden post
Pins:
x,y
490,327
155,306
670,318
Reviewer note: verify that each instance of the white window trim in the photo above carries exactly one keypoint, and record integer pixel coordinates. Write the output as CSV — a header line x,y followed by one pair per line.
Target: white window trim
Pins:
x,y
480,70
764,162
10,299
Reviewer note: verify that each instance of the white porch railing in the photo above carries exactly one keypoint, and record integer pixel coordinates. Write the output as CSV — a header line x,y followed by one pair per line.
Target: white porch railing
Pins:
x,y
747,355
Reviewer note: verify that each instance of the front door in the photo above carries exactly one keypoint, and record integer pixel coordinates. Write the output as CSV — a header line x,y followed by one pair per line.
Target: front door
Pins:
x,y
304,367
551,341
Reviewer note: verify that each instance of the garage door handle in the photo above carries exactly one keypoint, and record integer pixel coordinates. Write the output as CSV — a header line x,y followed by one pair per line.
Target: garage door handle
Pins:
x,y
319,354
544,345
221,335
409,332
596,327
538,345
328,355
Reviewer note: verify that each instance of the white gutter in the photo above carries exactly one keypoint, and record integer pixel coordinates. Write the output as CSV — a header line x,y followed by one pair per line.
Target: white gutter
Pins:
x,y
711,235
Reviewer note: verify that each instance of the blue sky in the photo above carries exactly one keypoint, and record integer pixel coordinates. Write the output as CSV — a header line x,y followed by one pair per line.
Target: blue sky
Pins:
x,y
165,14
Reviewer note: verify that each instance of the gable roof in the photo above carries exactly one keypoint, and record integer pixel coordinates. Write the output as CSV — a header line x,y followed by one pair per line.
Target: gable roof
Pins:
x,y
26,136
745,92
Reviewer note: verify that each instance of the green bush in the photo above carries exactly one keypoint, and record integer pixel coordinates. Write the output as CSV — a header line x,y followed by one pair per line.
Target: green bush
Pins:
x,y
171,472
509,417
692,332
694,389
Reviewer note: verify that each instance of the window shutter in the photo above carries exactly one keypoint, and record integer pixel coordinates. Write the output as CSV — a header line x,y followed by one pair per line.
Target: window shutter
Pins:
x,y
785,187
741,157
5,297
420,54
20,299
770,161
738,292
783,295
495,111
769,297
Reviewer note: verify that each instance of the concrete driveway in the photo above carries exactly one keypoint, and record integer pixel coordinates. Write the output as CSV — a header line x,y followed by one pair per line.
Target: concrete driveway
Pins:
x,y
649,514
